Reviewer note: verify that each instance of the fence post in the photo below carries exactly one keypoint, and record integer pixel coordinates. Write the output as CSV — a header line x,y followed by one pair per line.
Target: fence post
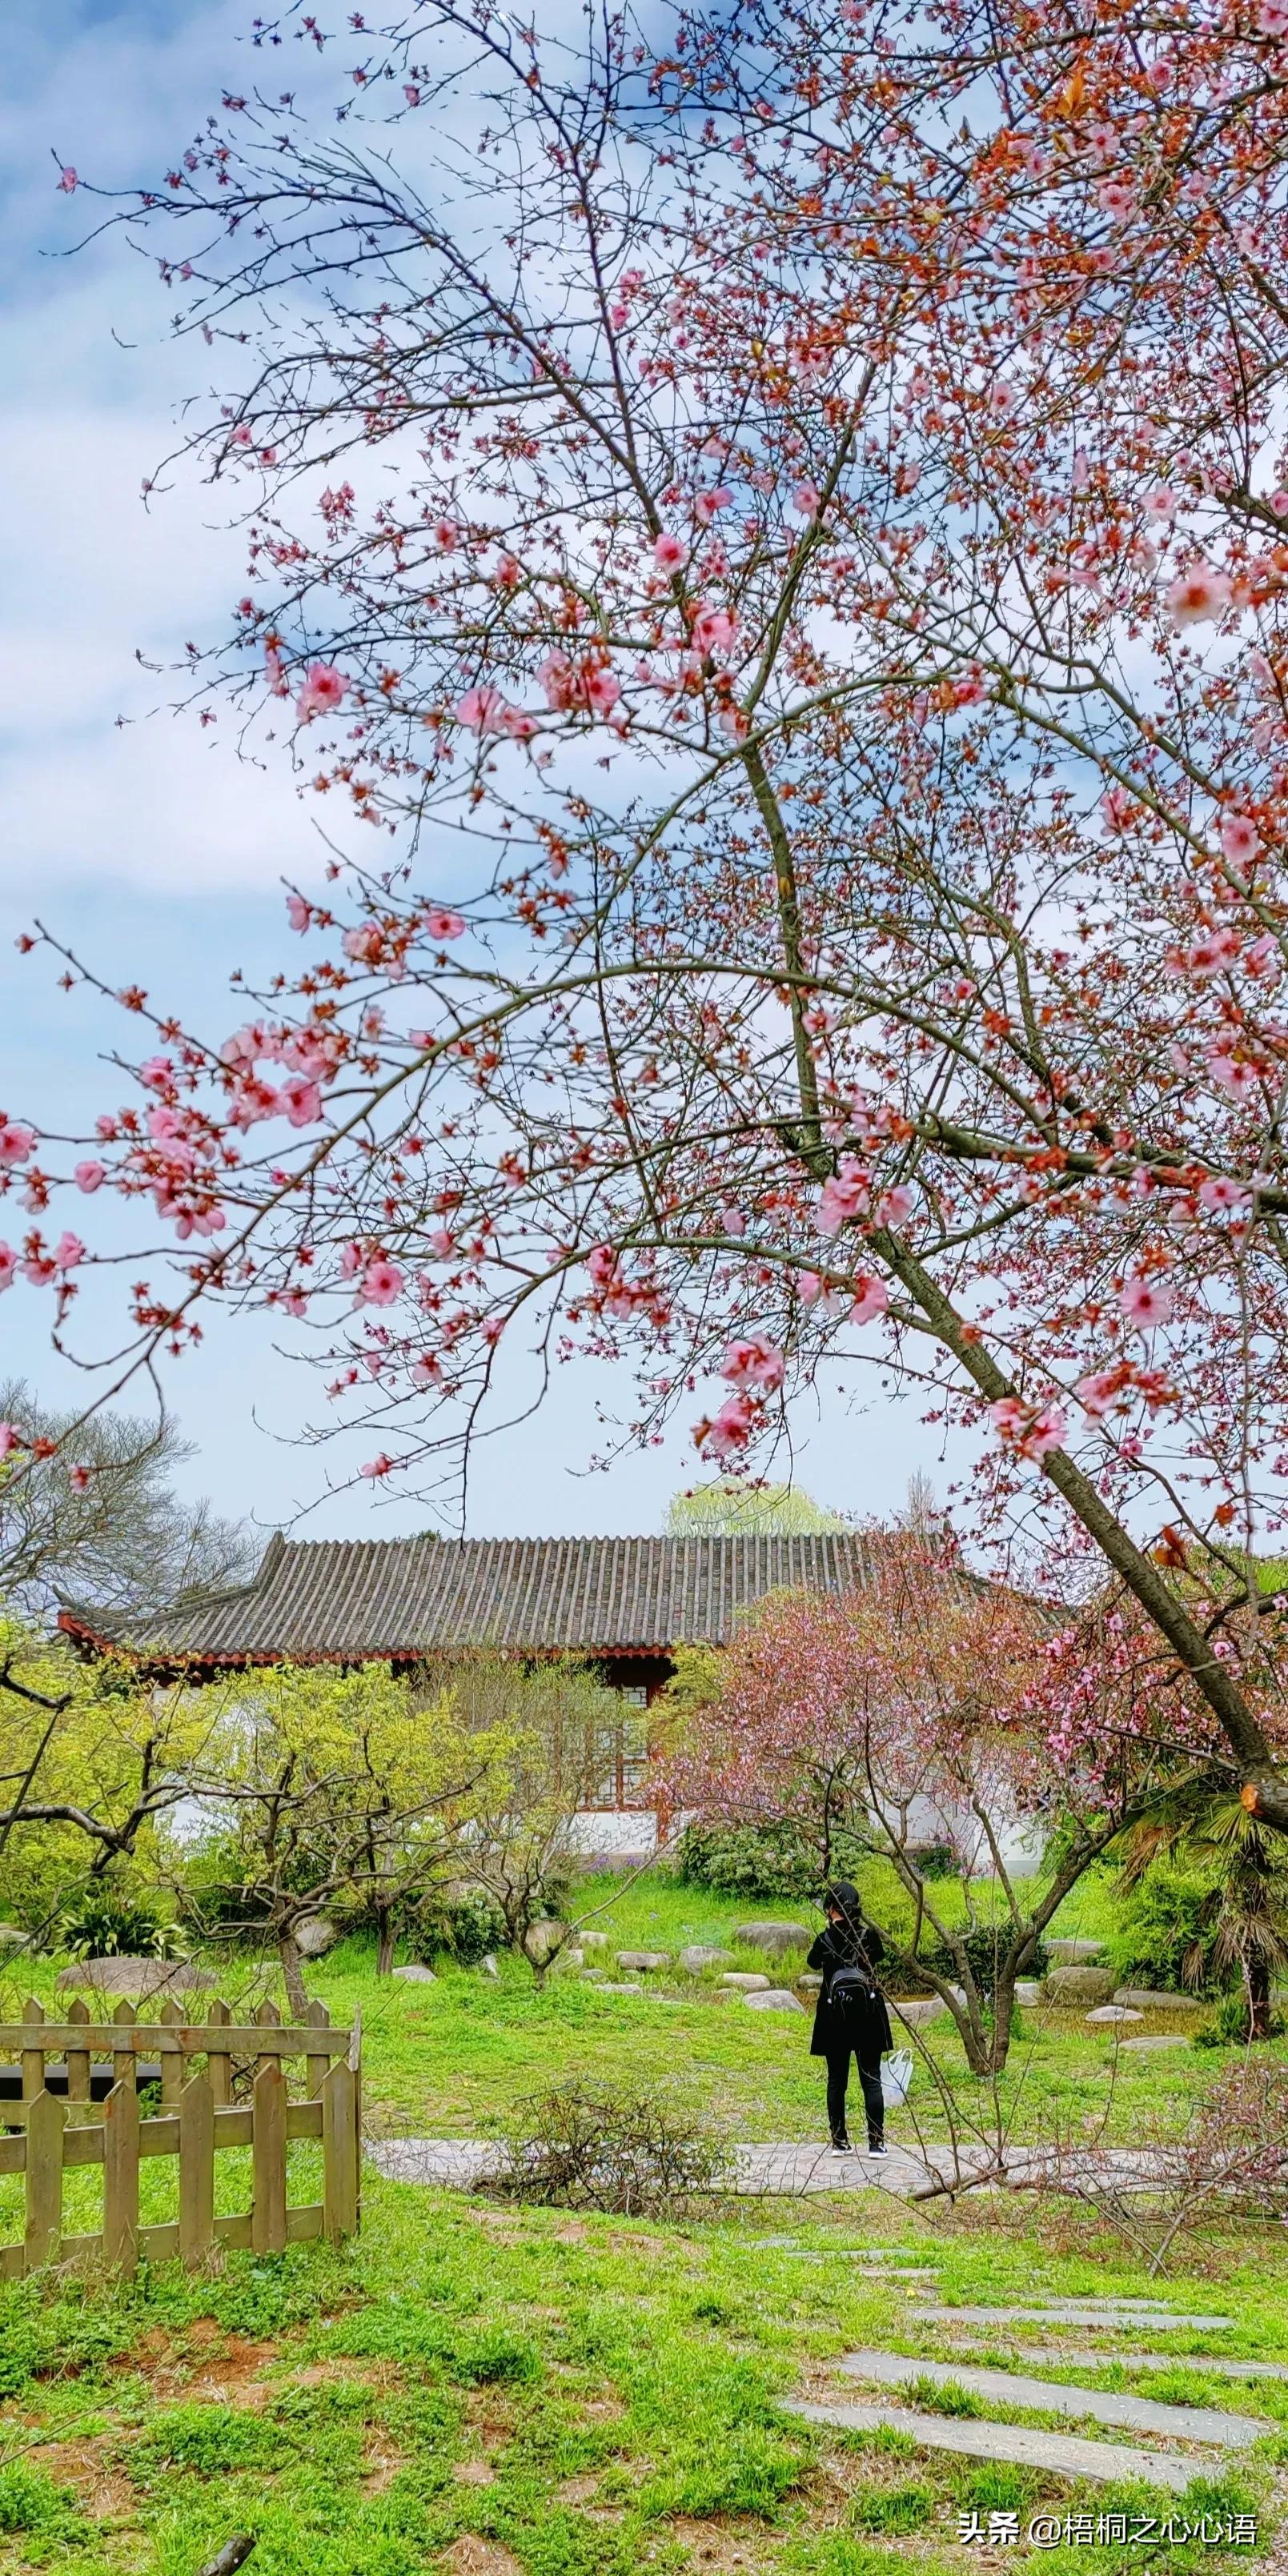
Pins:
x,y
340,2153
33,2059
45,2122
121,2173
78,2083
171,2061
196,2170
315,2067
268,2159
218,2061
123,2059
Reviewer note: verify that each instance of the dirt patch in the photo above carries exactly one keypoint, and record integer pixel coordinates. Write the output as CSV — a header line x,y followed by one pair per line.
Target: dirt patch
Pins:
x,y
577,2490
603,2410
382,2462
718,2545
489,2416
473,2473
93,2471
381,2377
470,2556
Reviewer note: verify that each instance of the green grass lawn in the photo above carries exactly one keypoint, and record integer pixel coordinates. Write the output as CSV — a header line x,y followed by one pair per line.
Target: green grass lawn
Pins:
x,y
495,2393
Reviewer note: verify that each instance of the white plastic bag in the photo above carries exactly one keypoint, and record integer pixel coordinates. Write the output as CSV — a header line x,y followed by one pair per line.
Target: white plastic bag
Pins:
x,y
896,2077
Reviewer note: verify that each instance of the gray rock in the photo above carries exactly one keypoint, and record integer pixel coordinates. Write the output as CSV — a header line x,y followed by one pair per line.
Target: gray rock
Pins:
x,y
488,1966
808,1983
921,2009
1078,1985
608,1988
1028,1992
774,1999
543,1940
701,1956
775,1938
744,1982
417,1976
593,1940
573,1957
1069,1954
1151,1999
1113,2013
135,1979
316,1935
647,1961
1143,2047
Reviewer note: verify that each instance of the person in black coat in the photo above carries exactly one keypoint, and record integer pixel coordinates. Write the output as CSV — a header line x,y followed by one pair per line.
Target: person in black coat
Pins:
x,y
850,2017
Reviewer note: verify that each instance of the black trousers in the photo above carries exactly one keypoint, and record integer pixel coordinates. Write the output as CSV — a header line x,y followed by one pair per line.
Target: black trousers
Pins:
x,y
838,2076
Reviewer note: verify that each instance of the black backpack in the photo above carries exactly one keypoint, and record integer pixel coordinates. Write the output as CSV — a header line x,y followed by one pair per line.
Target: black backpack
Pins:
x,y
851,1990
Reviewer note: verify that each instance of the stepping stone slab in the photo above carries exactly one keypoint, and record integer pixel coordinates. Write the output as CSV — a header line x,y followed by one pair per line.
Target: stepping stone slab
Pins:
x,y
417,1976
1069,1952
920,2010
1216,2364
1064,2453
648,1960
1152,1999
1142,2047
774,1937
1114,2013
701,1956
1085,2313
775,1999
1014,2388
1028,1992
744,1982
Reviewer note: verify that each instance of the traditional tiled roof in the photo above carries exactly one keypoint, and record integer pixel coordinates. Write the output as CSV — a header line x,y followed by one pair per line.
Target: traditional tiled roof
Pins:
x,y
342,1600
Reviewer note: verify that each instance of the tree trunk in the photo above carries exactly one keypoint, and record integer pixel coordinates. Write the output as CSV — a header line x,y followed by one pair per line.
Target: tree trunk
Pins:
x,y
292,1972
1003,2007
386,1942
1258,1987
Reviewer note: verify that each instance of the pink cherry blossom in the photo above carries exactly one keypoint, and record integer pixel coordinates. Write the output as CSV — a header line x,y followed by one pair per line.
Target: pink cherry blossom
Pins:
x,y
729,1431
805,498
1198,596
1222,1195
1008,1417
482,711
90,1176
39,1268
1117,809
841,1198
714,631
382,1466
1097,1392
707,504
732,1221
301,1100
10,1439
1240,841
1117,199
1272,20
669,553
1210,955
871,1300
1146,1302
1046,1432
16,1143
809,1287
275,672
8,1265
441,1243
446,536
382,1283
1002,400
78,1479
68,179
350,1261
894,1207
364,944
1232,1074
158,1073
298,912
753,1362
602,689
442,924
68,1251
427,1371
324,690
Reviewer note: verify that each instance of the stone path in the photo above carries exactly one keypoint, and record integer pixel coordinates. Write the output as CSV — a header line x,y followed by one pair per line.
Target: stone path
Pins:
x,y
1011,2388
785,2168
1076,2313
1215,2365
1064,2453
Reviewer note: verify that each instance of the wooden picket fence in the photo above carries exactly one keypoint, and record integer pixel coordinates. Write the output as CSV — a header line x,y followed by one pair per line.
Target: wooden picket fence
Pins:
x,y
197,2118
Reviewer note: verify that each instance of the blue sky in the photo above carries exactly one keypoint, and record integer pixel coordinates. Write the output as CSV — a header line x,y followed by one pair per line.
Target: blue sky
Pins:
x,y
144,843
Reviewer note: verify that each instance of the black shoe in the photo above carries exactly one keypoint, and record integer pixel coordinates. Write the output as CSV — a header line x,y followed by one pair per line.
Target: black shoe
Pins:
x,y
877,2147
842,2147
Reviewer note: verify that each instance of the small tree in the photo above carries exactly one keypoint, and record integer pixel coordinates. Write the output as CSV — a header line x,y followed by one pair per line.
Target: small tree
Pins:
x,y
334,1787
1240,1913
905,1713
732,1507
552,1731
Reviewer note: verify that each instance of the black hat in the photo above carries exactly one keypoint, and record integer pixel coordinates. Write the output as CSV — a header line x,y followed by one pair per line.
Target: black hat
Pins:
x,y
844,1896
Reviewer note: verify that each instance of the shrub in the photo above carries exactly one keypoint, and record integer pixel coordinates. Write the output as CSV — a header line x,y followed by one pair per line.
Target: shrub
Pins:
x,y
984,1946
759,1860
627,2153
1228,2027
464,1928
1161,1933
106,1922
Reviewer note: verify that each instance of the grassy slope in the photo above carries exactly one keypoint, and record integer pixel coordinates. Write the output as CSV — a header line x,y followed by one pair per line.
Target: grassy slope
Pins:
x,y
530,2395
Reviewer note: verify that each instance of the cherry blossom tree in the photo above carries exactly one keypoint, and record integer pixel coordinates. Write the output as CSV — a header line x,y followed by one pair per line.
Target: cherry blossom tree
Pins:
x,y
920,1710
769,548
